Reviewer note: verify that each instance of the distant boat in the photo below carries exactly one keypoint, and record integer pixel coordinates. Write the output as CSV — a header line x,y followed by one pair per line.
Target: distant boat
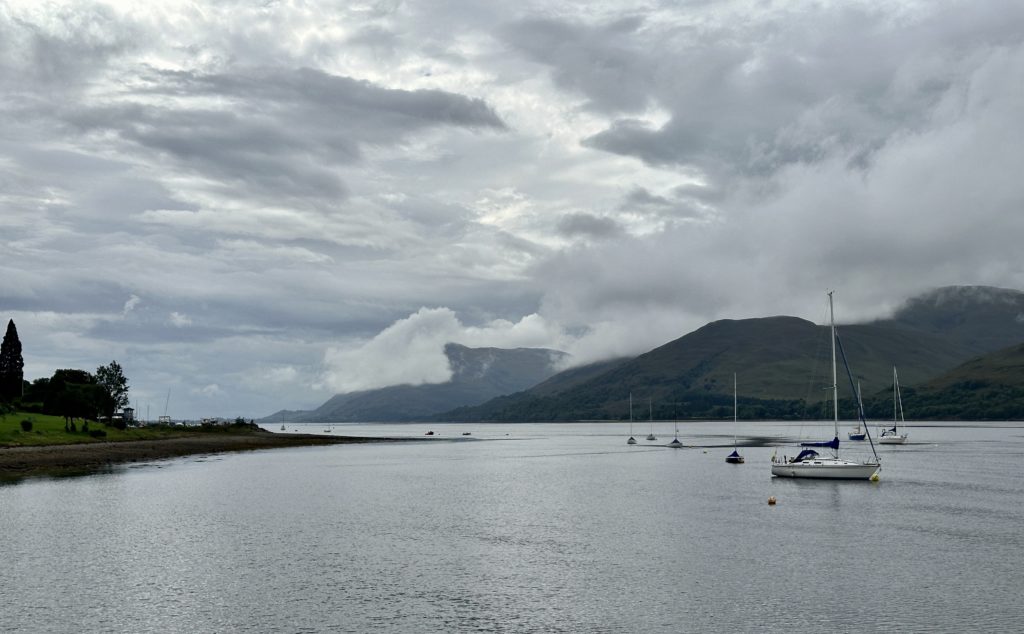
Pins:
x,y
675,444
809,463
282,427
734,457
893,436
857,433
631,441
650,414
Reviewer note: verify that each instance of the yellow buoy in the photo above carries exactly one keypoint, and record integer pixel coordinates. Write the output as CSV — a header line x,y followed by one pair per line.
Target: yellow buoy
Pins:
x,y
874,477
771,500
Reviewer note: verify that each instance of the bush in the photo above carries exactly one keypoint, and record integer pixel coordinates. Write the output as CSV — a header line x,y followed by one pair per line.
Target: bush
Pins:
x,y
98,433
26,424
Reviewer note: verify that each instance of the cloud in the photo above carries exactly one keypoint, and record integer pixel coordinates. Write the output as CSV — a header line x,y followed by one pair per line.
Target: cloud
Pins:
x,y
130,305
579,224
303,178
179,320
411,350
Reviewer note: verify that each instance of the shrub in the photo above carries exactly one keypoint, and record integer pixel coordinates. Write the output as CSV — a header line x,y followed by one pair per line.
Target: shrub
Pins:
x,y
98,433
26,424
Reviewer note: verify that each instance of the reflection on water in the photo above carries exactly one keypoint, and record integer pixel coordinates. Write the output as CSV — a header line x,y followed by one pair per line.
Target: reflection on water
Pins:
x,y
523,528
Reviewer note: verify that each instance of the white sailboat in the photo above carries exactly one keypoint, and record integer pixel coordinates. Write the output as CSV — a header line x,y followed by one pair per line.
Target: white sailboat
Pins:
x,y
893,436
734,457
631,441
809,463
650,415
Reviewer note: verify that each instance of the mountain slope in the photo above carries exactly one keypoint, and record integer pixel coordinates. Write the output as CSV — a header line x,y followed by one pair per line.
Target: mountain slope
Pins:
x,y
478,374
782,362
990,387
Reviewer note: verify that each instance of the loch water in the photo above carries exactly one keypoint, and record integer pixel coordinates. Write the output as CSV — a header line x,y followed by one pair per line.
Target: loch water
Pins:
x,y
526,528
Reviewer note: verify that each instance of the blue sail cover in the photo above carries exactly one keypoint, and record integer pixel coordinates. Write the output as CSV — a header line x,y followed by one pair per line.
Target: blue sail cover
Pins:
x,y
832,444
806,453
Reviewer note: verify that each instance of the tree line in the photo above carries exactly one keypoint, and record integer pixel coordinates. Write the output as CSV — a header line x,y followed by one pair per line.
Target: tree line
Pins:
x,y
70,393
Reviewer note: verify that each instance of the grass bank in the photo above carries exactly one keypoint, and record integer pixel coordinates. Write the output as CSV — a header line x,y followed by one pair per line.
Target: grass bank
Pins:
x,y
47,449
49,430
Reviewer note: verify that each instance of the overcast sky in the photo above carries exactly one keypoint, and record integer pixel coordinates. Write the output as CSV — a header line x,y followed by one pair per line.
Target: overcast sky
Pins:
x,y
253,206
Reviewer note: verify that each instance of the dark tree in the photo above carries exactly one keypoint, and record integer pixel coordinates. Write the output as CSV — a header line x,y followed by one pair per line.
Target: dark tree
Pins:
x,y
11,364
112,379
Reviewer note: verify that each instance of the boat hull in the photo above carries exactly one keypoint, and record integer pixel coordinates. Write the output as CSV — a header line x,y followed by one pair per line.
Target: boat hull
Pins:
x,y
734,459
892,440
825,470
853,436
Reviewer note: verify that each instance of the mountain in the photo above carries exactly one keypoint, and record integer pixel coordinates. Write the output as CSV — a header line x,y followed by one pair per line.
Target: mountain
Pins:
x,y
783,363
478,374
990,387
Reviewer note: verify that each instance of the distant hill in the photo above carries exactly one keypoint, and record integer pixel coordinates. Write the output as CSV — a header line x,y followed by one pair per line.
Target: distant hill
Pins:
x,y
478,374
990,387
782,363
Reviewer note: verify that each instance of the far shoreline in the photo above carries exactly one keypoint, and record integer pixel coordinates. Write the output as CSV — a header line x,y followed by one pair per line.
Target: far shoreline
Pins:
x,y
19,462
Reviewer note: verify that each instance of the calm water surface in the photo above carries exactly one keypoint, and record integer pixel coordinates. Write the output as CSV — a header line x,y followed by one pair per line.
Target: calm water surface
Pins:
x,y
518,528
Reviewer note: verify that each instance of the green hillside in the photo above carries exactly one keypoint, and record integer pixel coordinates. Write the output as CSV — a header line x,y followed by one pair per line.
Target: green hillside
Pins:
x,y
782,363
990,387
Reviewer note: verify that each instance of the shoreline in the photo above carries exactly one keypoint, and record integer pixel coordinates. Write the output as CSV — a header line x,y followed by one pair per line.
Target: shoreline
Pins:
x,y
26,461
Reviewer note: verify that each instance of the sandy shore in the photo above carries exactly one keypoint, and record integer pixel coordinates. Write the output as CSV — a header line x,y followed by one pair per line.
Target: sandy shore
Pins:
x,y
16,462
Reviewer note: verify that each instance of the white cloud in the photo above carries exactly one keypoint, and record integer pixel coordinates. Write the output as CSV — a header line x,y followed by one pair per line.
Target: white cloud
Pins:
x,y
411,350
130,305
178,320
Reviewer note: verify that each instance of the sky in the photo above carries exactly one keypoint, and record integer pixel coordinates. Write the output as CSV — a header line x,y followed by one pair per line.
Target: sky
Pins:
x,y
254,206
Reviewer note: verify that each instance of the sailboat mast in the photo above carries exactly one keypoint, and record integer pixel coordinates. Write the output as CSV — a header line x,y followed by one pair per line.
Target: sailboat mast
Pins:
x,y
734,410
631,414
835,382
894,393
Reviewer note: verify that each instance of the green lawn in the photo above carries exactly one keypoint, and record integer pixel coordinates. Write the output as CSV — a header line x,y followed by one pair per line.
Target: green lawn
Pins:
x,y
49,430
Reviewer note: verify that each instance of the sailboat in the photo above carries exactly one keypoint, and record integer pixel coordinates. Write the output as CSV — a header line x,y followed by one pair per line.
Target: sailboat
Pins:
x,y
857,433
650,414
631,441
893,436
809,463
734,457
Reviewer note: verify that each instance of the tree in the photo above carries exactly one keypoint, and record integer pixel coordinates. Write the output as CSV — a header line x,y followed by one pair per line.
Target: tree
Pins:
x,y
11,364
111,378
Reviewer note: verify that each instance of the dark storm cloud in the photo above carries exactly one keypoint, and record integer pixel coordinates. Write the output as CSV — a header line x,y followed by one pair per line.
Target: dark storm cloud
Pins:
x,y
589,226
283,134
602,62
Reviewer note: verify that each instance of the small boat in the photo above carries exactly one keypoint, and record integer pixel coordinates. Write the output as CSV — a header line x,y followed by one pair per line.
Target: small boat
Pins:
x,y
631,441
465,433
734,457
675,444
809,463
892,436
429,433
650,414
282,427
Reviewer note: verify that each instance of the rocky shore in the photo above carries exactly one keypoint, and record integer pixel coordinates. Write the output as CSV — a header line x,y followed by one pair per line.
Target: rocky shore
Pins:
x,y
18,462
